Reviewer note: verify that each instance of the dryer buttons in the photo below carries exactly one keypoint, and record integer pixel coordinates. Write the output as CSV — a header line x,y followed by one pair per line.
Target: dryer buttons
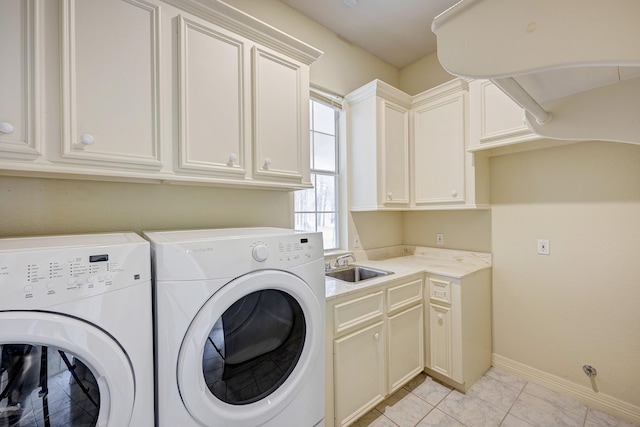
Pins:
x,y
260,252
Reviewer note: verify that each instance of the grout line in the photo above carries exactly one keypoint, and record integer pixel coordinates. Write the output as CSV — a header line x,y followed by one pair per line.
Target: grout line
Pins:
x,y
513,404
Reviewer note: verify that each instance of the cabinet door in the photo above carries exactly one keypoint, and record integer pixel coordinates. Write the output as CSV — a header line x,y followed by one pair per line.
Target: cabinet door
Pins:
x,y
439,151
395,155
211,99
440,333
495,119
358,361
18,92
280,117
110,82
405,346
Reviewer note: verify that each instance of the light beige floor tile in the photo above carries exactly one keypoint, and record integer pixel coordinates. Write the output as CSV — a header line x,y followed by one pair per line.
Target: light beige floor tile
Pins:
x,y
511,421
374,419
438,418
404,409
507,378
471,411
561,401
541,413
427,389
495,392
597,418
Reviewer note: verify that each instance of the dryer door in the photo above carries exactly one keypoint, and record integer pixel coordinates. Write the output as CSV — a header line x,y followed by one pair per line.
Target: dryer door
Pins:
x,y
61,371
250,348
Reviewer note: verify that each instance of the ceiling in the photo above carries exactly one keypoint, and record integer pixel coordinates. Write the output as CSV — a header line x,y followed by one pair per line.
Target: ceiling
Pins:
x,y
397,31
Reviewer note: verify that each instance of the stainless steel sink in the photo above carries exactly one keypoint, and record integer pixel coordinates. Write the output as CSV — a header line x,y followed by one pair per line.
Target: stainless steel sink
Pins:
x,y
354,273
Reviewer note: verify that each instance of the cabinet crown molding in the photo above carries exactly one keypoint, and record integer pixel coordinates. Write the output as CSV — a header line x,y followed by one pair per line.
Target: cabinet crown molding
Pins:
x,y
379,88
445,89
226,16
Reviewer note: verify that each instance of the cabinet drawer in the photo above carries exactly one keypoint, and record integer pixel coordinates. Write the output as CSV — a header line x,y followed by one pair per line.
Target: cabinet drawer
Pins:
x,y
357,312
439,290
404,295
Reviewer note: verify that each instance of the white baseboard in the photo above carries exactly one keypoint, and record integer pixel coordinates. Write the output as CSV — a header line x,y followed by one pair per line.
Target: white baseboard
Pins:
x,y
602,402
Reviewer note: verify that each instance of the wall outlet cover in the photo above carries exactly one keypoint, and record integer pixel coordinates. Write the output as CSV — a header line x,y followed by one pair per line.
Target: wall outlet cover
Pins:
x,y
543,246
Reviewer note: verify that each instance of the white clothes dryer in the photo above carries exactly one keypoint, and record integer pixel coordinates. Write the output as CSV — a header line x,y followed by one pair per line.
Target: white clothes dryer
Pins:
x,y
76,340
240,322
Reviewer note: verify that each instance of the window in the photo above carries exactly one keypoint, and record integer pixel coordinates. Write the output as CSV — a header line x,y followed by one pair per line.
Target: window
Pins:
x,y
316,209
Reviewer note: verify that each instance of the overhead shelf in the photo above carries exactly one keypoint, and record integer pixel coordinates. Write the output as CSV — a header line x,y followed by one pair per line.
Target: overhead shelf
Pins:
x,y
574,65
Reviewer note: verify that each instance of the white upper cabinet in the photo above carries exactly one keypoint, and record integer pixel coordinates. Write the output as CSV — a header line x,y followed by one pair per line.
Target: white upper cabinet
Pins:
x,y
378,135
280,117
410,153
110,82
439,118
186,91
19,88
495,119
212,99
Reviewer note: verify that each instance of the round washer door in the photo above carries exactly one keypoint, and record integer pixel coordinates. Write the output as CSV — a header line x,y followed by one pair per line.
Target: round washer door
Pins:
x,y
229,306
107,366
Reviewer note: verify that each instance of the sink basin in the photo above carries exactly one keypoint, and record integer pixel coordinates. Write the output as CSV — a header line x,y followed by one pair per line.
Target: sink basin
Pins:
x,y
354,273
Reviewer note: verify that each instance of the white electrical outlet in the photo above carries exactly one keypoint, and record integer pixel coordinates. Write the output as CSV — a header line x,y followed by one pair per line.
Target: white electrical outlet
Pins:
x,y
543,246
440,239
356,241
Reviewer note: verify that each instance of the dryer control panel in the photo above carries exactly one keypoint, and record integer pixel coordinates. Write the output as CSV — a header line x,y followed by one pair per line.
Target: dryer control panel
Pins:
x,y
38,277
204,255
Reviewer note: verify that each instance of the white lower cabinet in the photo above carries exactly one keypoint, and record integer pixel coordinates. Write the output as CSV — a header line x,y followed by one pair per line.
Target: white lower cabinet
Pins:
x,y
440,354
375,345
359,364
405,347
458,325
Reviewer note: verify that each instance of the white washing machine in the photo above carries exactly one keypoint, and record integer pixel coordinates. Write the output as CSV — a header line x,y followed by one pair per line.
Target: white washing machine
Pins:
x,y
77,331
240,317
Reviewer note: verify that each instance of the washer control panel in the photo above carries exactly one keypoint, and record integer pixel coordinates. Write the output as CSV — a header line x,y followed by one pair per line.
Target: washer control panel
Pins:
x,y
40,278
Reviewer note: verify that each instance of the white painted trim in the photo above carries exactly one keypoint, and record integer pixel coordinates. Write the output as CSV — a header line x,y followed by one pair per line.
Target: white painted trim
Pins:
x,y
603,402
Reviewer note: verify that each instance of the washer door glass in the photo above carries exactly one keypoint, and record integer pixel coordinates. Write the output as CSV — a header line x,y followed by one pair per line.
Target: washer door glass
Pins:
x,y
57,370
254,346
46,386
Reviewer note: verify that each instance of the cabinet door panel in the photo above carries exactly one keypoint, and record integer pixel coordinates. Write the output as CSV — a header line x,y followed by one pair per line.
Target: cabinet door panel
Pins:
x,y
405,346
110,81
439,144
358,372
18,96
396,154
211,100
440,339
278,115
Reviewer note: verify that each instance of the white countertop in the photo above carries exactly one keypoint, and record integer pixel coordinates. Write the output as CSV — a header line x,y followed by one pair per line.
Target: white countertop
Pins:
x,y
446,262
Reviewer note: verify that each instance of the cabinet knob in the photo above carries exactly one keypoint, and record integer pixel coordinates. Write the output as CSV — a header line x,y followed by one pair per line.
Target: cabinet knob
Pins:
x,y
86,139
376,335
232,159
266,164
440,316
389,196
6,127
454,193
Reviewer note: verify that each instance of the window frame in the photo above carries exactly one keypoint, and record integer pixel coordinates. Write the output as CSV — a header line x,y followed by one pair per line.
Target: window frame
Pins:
x,y
338,175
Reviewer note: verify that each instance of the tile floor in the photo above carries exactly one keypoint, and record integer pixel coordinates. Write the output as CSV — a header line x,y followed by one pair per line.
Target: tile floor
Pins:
x,y
497,399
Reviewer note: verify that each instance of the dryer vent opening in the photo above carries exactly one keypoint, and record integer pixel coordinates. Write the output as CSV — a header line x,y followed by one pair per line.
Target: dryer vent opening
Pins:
x,y
254,346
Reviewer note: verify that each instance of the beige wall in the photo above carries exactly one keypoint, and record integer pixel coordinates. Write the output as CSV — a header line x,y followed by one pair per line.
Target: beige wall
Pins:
x,y
53,206
578,305
423,74
343,67
465,230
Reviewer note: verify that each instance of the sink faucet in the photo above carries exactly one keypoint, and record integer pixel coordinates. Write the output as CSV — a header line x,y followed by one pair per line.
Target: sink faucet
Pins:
x,y
344,260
